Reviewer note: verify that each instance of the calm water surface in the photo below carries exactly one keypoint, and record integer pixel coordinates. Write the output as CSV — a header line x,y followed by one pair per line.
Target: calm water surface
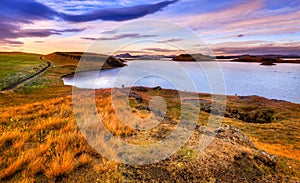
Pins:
x,y
281,81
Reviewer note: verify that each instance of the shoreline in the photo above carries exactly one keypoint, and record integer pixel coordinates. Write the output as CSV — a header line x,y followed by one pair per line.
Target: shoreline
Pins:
x,y
199,93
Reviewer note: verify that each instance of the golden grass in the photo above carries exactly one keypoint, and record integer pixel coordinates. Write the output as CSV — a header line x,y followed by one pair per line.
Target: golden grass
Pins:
x,y
35,166
42,137
13,168
278,149
60,164
8,138
16,165
84,159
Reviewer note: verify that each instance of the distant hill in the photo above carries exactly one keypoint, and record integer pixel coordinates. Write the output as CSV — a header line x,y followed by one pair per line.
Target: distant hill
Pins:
x,y
265,56
150,57
193,57
124,55
128,56
265,60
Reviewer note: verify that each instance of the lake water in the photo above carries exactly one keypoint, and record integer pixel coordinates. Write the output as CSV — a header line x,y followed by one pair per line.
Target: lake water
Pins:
x,y
281,81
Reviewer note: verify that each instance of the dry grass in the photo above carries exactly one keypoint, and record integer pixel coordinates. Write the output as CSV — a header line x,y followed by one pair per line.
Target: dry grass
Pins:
x,y
13,168
60,165
279,149
35,166
84,159
42,139
45,140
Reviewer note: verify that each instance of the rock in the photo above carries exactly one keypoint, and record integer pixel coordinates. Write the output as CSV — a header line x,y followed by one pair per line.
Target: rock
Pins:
x,y
156,88
141,88
233,135
115,62
135,95
143,107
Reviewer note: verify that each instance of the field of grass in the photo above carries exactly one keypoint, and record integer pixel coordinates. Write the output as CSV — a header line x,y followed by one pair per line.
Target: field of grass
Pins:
x,y
41,142
17,66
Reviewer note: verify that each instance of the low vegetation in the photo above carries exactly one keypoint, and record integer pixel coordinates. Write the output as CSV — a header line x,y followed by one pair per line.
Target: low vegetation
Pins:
x,y
17,66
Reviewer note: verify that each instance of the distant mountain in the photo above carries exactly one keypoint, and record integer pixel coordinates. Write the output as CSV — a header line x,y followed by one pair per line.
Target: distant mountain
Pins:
x,y
150,57
128,56
124,55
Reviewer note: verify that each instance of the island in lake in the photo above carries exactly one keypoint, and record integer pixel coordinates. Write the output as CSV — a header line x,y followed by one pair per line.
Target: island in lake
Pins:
x,y
267,59
263,59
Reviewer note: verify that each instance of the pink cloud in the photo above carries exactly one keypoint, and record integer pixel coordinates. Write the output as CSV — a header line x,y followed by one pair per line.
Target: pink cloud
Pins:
x,y
214,19
249,19
256,48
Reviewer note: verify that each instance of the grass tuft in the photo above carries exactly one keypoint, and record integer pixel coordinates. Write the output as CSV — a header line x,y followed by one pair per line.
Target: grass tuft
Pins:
x,y
60,165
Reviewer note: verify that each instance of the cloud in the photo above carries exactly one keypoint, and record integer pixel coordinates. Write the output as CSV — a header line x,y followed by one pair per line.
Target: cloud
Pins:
x,y
15,13
11,42
169,40
19,11
71,30
117,14
10,32
257,48
110,31
225,16
89,38
160,50
250,18
120,36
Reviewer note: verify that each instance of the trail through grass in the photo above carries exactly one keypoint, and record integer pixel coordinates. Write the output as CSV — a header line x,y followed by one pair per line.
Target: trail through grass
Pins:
x,y
17,66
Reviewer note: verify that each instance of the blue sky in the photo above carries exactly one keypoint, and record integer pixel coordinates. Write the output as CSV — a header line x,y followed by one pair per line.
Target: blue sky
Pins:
x,y
227,27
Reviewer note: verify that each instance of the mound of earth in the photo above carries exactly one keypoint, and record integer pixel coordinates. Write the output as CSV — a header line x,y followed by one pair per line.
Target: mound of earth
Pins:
x,y
230,157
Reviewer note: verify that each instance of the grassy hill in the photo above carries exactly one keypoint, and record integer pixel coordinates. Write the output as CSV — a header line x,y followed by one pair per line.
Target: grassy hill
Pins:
x,y
16,66
89,61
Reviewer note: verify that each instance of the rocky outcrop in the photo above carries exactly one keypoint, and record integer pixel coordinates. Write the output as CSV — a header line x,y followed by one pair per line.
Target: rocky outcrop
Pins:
x,y
230,157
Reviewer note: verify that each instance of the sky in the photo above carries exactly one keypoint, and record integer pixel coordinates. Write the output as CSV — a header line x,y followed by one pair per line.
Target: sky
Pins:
x,y
216,27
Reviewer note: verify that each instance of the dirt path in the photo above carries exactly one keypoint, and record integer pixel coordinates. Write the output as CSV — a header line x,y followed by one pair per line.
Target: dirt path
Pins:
x,y
28,78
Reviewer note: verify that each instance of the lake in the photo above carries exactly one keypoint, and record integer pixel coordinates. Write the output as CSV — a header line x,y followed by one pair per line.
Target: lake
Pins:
x,y
274,82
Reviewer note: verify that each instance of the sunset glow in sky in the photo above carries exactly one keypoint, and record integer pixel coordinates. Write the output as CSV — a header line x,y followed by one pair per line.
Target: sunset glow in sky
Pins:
x,y
228,27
